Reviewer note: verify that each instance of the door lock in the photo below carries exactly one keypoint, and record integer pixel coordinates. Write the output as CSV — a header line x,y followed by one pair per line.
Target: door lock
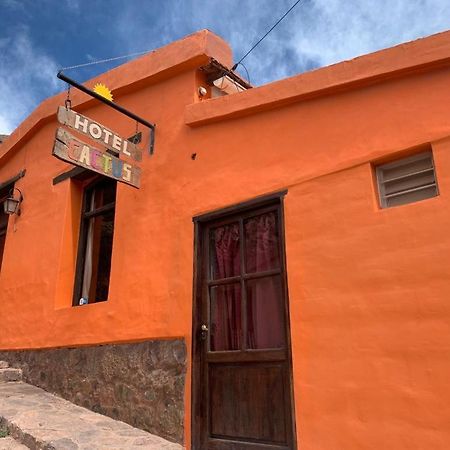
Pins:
x,y
204,333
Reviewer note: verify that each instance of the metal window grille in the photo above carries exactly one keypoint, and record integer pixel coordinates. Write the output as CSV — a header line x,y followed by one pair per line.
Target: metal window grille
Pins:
x,y
407,180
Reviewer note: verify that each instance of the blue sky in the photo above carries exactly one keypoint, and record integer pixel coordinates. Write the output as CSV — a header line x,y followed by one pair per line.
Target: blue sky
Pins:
x,y
37,37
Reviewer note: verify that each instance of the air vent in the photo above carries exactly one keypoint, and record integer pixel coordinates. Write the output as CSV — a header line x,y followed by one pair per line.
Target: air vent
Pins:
x,y
407,180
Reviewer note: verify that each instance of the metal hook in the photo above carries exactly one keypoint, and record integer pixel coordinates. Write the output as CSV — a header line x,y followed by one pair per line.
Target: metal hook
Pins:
x,y
68,102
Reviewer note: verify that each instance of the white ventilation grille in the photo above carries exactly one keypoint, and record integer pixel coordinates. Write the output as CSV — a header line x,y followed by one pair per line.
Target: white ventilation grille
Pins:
x,y
407,180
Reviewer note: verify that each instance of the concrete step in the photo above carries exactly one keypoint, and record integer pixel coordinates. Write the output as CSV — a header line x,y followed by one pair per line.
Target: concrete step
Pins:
x,y
4,364
42,421
10,374
9,443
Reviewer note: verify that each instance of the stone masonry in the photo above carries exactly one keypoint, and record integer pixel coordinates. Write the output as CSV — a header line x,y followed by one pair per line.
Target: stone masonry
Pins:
x,y
42,421
141,384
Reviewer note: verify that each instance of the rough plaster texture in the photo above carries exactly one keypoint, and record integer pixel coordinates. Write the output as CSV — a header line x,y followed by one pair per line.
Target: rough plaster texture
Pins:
x,y
141,384
43,421
368,288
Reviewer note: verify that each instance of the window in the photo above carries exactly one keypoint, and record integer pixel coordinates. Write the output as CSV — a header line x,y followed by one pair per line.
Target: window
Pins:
x,y
95,243
3,221
407,180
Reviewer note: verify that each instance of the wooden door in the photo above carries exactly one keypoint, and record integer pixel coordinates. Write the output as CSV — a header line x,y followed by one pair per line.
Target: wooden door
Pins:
x,y
242,389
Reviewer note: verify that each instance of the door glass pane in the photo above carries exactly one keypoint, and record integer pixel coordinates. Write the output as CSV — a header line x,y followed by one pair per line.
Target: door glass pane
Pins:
x,y
262,243
225,259
225,320
265,317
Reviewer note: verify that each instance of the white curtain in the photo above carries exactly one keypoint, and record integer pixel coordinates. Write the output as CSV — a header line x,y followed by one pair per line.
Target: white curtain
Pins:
x,y
87,273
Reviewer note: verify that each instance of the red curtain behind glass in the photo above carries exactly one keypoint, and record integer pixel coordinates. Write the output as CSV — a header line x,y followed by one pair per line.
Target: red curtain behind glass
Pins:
x,y
226,299
265,322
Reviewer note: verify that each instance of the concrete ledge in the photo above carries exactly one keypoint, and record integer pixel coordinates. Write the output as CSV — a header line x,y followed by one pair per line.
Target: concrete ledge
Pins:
x,y
41,420
416,56
11,444
139,383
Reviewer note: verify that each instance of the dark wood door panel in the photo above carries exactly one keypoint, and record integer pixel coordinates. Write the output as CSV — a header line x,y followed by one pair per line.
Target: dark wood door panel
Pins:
x,y
247,401
222,444
242,387
247,356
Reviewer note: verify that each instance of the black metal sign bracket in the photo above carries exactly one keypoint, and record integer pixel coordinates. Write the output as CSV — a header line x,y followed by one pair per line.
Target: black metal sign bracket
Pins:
x,y
115,106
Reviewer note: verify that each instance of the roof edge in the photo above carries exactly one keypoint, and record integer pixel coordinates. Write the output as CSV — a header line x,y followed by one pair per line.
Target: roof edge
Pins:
x,y
162,63
416,56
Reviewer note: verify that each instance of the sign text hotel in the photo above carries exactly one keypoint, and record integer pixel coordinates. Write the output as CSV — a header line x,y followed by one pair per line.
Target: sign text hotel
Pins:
x,y
71,149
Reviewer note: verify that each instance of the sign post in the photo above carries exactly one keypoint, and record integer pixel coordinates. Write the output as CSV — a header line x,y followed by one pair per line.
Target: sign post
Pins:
x,y
115,106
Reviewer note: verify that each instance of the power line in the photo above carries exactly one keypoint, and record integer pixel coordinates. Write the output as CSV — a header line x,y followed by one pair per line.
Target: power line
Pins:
x,y
279,20
248,75
91,63
104,60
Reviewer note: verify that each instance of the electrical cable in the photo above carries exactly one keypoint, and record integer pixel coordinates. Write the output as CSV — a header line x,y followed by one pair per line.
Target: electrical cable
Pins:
x,y
91,63
248,75
104,60
274,26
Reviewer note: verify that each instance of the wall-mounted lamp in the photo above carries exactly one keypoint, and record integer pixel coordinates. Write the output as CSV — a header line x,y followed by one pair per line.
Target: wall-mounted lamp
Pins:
x,y
202,91
12,205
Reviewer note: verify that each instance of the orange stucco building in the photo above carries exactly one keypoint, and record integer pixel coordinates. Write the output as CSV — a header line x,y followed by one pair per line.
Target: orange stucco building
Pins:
x,y
359,358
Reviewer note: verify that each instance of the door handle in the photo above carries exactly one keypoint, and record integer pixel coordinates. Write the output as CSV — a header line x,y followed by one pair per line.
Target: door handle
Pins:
x,y
204,332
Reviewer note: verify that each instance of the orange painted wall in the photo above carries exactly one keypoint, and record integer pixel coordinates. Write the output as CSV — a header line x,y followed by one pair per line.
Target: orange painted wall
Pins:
x,y
368,288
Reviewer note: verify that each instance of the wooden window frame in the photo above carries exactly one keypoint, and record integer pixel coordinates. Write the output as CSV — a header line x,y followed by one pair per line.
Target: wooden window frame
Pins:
x,y
85,216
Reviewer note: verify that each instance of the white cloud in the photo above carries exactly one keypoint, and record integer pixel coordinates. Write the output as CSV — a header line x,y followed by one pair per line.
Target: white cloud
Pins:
x,y
314,34
27,76
5,125
73,5
13,4
337,30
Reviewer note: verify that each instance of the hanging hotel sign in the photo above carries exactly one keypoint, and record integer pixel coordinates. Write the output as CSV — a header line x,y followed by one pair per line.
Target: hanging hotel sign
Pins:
x,y
98,133
72,150
108,163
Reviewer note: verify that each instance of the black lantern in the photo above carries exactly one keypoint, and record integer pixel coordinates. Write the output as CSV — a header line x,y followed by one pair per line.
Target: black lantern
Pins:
x,y
12,205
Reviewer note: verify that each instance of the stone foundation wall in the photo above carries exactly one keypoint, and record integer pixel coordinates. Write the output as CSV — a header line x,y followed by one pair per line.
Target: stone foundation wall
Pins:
x,y
141,384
